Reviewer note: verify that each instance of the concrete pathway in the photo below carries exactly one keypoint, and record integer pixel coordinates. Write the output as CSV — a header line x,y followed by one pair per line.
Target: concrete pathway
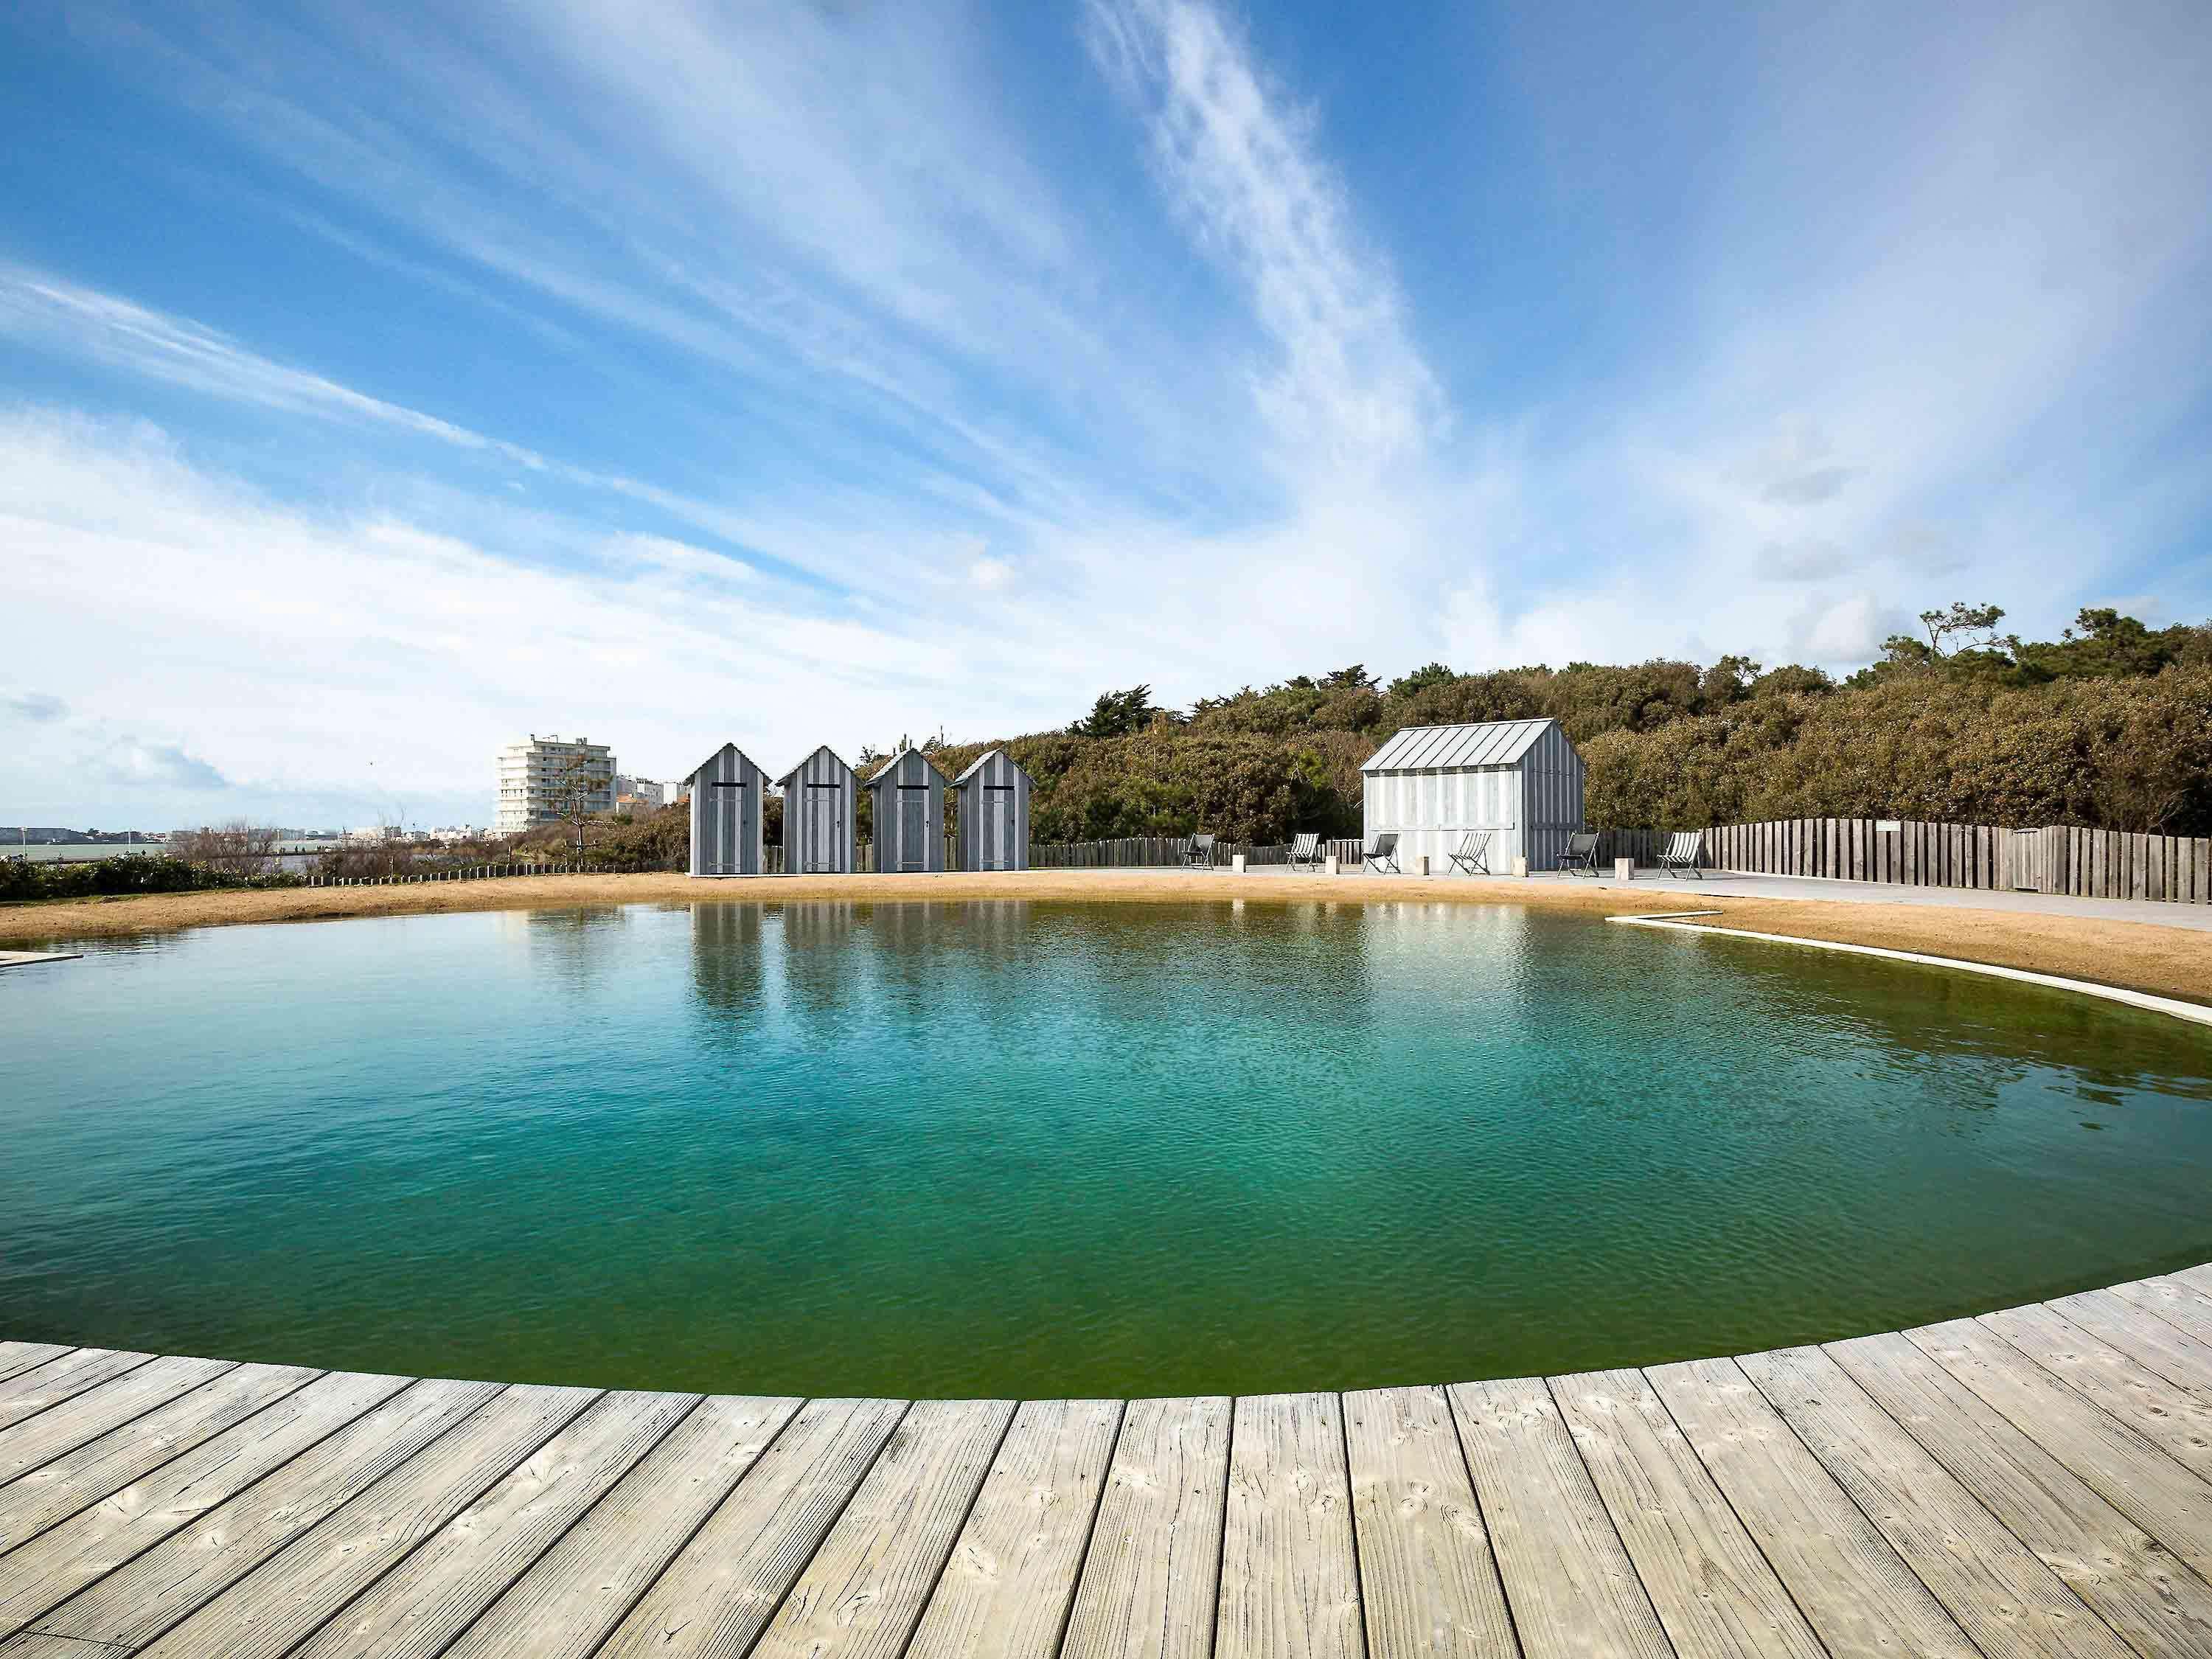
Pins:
x,y
24,958
1717,885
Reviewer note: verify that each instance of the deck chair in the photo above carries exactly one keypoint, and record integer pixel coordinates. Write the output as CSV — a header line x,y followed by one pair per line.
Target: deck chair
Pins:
x,y
1474,854
1383,854
1684,851
1581,856
1305,853
1198,852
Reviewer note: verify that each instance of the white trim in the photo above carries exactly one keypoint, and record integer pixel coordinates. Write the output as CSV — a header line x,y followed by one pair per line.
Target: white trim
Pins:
x,y
2196,1013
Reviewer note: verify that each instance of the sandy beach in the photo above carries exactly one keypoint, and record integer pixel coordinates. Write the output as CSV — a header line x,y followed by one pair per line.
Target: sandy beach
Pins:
x,y
2142,956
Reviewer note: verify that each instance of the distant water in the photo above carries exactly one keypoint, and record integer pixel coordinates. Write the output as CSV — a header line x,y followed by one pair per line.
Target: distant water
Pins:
x,y
291,855
40,852
1047,1149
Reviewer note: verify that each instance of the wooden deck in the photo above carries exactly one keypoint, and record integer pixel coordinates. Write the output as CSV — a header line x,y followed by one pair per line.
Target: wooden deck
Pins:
x,y
2034,1481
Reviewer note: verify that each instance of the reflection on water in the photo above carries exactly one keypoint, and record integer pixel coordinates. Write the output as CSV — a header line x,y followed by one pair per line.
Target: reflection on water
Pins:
x,y
1038,1148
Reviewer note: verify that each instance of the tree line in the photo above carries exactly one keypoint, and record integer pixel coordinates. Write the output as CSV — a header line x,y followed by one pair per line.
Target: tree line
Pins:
x,y
2108,726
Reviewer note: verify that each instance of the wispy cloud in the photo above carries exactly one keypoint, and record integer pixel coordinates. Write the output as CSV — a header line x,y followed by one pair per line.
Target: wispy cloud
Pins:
x,y
921,365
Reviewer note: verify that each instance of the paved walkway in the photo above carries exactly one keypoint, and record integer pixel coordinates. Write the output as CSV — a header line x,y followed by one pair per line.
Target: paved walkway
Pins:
x,y
2034,1481
1728,885
1719,884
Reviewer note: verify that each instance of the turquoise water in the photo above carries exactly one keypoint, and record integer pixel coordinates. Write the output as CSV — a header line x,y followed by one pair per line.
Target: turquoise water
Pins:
x,y
1057,1149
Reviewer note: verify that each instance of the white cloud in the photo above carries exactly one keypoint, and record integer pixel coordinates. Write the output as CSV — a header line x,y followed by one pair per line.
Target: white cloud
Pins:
x,y
1924,336
35,706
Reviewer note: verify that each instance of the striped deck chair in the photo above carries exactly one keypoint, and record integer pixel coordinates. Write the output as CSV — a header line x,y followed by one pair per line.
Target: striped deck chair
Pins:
x,y
1384,855
1474,854
1305,853
1198,852
1684,851
1581,856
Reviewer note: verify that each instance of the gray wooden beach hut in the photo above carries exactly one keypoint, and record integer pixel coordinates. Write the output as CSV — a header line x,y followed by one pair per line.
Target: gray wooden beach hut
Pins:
x,y
821,805
909,796
994,813
727,814
1520,780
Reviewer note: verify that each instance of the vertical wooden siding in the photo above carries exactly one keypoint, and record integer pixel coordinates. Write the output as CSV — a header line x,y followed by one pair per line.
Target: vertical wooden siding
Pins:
x,y
725,822
993,832
821,798
2086,863
2058,859
910,773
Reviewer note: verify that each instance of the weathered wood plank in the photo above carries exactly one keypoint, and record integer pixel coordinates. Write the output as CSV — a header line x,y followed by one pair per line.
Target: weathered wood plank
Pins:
x,y
22,1356
726,1582
59,1488
430,1597
2117,1569
2198,1278
1155,1556
1859,1597
1713,1589
2129,1472
2010,1604
288,1596
2152,1342
1290,1579
860,1596
41,1574
2186,1309
1567,1577
2173,1420
1427,1580
138,1601
42,1387
580,1590
40,1439
1005,1590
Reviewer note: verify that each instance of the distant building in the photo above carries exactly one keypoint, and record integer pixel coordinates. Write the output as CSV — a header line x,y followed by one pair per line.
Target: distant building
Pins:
x,y
639,792
538,777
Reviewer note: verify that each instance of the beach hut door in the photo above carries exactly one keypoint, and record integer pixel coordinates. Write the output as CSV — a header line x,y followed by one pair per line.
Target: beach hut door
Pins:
x,y
913,825
995,836
824,831
729,804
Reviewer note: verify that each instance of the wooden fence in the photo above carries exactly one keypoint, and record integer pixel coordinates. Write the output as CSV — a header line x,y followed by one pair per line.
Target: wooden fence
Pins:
x,y
2055,859
1166,852
1905,851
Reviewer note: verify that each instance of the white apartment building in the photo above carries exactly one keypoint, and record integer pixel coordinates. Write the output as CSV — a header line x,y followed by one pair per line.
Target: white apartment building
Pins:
x,y
644,790
537,776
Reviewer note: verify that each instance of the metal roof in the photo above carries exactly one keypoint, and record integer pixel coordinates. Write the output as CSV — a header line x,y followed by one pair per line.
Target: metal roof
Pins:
x,y
1453,748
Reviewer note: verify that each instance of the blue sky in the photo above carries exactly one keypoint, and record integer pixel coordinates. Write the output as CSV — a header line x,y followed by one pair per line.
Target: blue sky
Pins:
x,y
377,384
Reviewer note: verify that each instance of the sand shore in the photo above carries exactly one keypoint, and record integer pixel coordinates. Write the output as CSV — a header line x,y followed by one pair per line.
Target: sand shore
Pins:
x,y
2168,962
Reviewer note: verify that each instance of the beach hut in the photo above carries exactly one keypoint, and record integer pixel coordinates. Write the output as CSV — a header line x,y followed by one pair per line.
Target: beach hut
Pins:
x,y
910,794
726,814
821,797
1520,780
994,814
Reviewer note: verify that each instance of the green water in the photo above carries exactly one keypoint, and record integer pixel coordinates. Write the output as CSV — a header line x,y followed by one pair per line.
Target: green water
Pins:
x,y
1058,1149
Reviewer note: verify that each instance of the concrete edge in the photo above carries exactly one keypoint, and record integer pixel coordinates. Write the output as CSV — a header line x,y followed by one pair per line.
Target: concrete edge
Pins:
x,y
26,958
2194,1013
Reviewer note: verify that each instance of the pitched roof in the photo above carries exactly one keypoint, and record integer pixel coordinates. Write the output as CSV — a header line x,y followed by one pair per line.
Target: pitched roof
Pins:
x,y
976,765
891,765
1449,748
716,756
820,749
